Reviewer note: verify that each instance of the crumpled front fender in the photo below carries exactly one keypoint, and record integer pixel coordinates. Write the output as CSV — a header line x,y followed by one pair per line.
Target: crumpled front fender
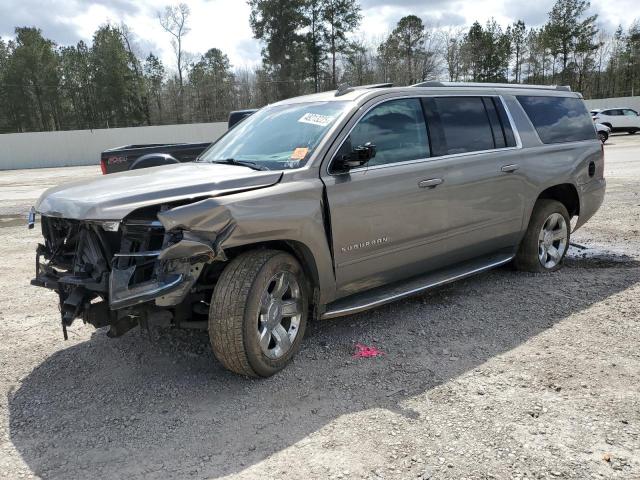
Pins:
x,y
290,212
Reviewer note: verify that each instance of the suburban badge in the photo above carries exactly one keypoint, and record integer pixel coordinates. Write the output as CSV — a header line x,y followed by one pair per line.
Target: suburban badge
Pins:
x,y
367,244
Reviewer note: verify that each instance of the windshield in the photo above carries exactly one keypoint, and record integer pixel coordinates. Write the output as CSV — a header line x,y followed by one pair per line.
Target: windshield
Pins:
x,y
278,137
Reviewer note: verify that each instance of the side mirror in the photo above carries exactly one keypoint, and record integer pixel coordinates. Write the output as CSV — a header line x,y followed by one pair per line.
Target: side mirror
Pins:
x,y
359,156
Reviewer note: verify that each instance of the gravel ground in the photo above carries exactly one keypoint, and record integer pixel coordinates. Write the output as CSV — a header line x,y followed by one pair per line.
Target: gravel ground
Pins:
x,y
504,375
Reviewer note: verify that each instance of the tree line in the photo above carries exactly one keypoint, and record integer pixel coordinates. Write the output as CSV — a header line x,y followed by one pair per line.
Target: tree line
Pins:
x,y
307,46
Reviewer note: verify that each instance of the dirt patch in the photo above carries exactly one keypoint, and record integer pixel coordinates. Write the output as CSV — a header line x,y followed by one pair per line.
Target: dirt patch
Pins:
x,y
7,221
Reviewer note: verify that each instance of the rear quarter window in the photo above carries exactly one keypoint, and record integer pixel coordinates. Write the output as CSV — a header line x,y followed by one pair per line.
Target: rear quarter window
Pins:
x,y
558,119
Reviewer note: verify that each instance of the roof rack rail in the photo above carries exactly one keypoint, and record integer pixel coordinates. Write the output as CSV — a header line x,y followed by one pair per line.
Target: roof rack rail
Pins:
x,y
562,88
346,88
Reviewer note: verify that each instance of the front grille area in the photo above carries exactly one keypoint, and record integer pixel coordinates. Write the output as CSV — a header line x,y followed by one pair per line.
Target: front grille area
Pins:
x,y
84,253
139,242
75,253
111,277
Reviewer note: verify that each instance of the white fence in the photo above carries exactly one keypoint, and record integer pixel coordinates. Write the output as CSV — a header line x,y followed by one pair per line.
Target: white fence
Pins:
x,y
83,147
603,103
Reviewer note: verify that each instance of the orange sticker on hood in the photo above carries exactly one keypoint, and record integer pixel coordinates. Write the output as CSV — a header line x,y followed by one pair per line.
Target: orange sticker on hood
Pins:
x,y
299,153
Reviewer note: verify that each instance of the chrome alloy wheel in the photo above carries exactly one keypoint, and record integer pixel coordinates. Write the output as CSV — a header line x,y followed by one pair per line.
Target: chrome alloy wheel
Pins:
x,y
552,240
280,315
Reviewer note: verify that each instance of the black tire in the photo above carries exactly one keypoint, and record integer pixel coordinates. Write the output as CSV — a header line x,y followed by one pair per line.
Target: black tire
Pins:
x,y
632,132
603,136
527,259
235,308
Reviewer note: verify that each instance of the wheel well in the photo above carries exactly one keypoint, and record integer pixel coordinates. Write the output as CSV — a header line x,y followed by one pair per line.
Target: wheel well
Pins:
x,y
565,194
299,250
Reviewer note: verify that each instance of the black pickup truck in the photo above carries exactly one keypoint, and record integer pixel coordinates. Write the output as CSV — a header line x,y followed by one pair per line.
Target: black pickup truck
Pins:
x,y
131,157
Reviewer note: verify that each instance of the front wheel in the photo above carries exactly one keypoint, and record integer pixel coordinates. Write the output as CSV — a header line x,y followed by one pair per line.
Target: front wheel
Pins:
x,y
603,136
547,239
258,312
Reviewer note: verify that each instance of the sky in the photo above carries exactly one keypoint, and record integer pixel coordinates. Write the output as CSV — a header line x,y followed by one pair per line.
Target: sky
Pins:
x,y
225,23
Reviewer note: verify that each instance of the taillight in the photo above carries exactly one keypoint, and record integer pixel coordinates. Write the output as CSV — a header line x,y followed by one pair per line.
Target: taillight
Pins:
x,y
103,166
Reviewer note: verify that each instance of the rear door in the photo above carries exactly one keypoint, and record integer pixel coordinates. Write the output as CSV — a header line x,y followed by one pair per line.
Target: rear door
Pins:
x,y
473,137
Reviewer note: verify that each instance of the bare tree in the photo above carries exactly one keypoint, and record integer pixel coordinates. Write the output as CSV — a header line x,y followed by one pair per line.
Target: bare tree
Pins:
x,y
174,20
452,43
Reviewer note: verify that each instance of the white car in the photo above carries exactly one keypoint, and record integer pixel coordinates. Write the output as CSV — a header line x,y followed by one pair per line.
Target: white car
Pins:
x,y
618,119
603,132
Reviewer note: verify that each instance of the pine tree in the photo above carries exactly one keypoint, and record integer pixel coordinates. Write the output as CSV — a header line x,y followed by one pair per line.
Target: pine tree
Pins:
x,y
340,18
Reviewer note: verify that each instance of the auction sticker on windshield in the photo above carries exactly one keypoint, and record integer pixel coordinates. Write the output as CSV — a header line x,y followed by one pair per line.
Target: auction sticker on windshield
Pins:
x,y
316,119
299,153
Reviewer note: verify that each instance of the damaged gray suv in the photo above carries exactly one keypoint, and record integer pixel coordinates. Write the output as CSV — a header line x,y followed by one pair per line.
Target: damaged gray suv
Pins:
x,y
323,206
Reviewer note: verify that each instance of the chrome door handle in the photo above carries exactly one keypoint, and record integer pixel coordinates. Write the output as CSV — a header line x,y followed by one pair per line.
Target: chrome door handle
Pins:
x,y
510,168
431,183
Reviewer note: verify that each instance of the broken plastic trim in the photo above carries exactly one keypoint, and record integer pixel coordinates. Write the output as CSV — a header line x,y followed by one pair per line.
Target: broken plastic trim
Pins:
x,y
121,296
150,253
177,269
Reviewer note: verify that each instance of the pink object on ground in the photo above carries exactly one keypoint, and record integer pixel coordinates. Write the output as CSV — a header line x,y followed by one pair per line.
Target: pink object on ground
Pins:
x,y
364,351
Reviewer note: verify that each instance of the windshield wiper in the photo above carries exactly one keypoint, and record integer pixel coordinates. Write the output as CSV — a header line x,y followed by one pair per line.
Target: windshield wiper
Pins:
x,y
242,163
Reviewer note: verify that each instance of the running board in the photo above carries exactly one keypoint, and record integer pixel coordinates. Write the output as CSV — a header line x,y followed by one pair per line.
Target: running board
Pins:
x,y
375,297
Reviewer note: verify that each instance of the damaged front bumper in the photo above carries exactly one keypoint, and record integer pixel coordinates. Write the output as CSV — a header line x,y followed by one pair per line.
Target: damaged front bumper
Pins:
x,y
149,268
176,271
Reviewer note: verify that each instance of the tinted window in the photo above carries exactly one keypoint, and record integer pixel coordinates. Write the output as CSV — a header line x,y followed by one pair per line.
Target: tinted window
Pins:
x,y
494,121
559,119
397,129
465,124
631,113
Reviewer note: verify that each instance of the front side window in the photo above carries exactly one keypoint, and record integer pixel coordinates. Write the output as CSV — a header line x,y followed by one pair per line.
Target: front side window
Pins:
x,y
277,137
558,119
396,128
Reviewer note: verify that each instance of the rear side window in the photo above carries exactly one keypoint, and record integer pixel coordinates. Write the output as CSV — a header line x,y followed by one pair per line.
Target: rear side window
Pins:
x,y
558,119
465,124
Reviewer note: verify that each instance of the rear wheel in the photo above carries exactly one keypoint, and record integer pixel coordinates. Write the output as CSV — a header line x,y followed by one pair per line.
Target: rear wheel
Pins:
x,y
547,239
258,312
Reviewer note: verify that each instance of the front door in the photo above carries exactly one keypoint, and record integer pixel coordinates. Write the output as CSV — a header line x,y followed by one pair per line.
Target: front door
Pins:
x,y
383,213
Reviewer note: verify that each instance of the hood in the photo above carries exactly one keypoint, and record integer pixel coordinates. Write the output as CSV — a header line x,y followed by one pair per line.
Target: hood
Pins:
x,y
113,197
